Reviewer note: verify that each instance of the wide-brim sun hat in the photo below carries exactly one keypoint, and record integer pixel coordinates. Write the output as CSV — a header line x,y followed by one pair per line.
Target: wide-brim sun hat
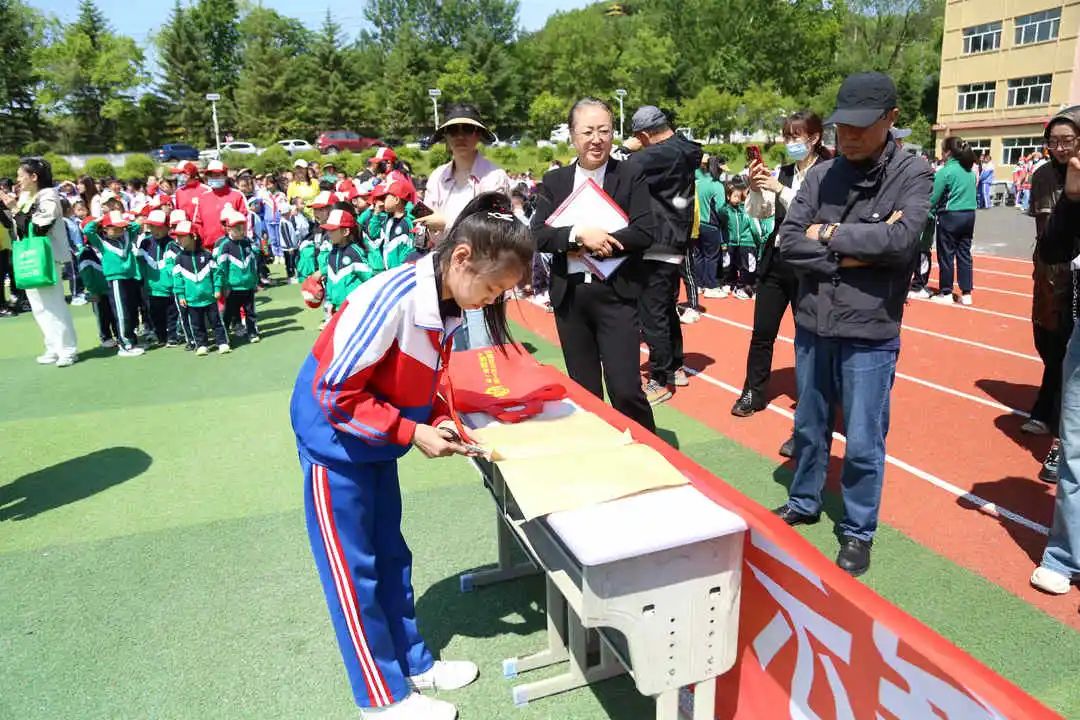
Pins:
x,y
463,114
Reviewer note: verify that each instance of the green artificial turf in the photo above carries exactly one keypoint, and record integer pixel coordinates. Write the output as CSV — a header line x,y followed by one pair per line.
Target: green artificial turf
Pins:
x,y
154,561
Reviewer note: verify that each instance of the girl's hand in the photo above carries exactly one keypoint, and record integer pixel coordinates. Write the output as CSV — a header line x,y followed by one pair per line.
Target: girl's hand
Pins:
x,y
434,222
1072,179
434,443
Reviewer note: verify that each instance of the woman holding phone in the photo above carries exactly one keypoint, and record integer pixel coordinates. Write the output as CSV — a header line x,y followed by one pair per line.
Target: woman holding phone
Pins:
x,y
777,286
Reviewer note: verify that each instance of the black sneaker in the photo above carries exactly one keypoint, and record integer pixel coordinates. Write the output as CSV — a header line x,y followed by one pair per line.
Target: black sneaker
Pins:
x,y
1049,472
794,517
747,404
854,555
788,448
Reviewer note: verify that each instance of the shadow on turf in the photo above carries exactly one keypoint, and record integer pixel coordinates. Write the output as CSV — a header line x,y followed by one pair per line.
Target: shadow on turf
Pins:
x,y
70,481
1016,493
279,312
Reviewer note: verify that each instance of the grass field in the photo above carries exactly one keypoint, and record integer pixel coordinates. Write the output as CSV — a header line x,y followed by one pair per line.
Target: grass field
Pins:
x,y
154,563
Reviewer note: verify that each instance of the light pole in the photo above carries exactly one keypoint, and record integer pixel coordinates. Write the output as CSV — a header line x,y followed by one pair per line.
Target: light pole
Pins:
x,y
213,98
434,93
621,93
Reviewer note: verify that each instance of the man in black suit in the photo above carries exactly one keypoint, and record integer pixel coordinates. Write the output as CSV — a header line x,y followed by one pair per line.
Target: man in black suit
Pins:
x,y
597,319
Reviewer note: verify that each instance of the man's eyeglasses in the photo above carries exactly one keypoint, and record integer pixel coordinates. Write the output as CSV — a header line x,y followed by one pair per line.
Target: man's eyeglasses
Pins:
x,y
601,133
1061,143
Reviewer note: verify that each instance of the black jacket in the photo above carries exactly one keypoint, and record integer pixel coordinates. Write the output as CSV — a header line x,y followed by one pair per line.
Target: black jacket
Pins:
x,y
1060,242
770,258
865,303
669,168
626,186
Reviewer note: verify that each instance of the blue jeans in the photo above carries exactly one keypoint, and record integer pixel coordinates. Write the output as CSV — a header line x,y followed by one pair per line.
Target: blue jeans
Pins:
x,y
858,377
475,333
1062,554
1022,197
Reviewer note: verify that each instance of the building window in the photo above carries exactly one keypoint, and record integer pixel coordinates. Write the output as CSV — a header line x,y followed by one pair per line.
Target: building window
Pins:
x,y
980,147
1034,90
982,38
1038,27
976,96
1019,147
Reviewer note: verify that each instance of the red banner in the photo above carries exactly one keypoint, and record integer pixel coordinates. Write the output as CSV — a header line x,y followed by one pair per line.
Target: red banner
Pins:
x,y
816,644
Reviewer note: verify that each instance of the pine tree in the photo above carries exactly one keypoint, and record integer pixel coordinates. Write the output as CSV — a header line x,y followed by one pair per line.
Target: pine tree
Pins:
x,y
267,103
186,78
20,31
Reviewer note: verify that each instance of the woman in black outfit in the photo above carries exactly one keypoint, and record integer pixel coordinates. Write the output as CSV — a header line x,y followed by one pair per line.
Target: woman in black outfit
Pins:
x,y
777,286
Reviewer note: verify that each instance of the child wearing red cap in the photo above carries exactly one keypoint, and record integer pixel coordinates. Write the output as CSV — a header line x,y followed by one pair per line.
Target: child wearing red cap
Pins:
x,y
97,291
156,257
116,239
346,263
393,242
197,286
237,264
188,186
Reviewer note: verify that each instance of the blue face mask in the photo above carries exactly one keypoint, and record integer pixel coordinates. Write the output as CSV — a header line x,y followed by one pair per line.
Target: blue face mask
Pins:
x,y
797,150
216,183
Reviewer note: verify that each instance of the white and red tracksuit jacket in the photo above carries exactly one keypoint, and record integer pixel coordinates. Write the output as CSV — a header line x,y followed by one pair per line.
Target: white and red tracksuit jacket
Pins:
x,y
374,371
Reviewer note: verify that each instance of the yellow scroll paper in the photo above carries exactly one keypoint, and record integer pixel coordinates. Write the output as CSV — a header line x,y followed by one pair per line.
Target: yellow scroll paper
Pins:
x,y
549,483
572,433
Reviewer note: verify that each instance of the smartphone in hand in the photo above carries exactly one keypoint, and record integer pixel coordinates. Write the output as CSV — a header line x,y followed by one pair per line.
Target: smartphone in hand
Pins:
x,y
420,210
753,153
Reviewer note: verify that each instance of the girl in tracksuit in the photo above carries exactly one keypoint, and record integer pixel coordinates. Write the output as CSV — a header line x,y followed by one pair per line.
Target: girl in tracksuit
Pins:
x,y
347,262
743,239
365,394
393,242
93,281
117,241
156,256
238,266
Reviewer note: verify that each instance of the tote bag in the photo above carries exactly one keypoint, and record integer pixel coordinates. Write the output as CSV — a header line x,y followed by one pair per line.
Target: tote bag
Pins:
x,y
32,261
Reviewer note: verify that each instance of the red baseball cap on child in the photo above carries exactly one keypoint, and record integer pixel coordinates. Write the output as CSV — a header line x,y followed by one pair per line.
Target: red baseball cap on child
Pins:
x,y
216,167
114,218
156,218
177,216
231,217
383,153
378,191
183,227
339,219
322,200
186,168
400,189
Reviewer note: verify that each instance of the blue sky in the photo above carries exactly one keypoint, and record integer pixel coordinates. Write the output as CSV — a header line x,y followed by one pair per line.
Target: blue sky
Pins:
x,y
141,23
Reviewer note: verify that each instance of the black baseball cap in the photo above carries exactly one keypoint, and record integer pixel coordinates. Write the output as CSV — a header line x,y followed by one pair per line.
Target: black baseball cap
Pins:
x,y
863,99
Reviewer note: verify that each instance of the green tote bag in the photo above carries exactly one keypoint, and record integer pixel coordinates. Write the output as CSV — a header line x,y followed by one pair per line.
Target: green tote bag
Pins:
x,y
32,261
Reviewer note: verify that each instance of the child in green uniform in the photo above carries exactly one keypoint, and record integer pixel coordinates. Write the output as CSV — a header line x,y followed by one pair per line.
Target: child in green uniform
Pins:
x,y
237,264
97,291
742,238
346,263
156,256
116,239
198,288
394,241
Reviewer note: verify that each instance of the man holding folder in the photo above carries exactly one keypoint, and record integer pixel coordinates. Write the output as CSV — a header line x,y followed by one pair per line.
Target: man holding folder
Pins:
x,y
585,228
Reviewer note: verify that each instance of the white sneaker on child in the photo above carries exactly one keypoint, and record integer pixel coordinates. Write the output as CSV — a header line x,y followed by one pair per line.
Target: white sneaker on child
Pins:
x,y
223,349
202,351
413,707
965,299
445,675
943,299
130,352
716,292
741,294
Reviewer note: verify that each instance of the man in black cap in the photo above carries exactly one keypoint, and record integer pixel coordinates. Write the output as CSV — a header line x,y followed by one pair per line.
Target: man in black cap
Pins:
x,y
851,235
668,162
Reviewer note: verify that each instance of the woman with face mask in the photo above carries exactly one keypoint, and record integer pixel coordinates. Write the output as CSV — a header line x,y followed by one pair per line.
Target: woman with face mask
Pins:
x,y
188,187
777,286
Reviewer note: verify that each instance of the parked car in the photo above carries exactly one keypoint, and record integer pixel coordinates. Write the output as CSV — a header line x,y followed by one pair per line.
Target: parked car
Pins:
x,y
561,134
332,141
295,146
425,142
236,146
172,152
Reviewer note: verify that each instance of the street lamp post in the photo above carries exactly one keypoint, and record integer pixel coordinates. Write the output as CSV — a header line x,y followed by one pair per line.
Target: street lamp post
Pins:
x,y
434,93
213,98
621,93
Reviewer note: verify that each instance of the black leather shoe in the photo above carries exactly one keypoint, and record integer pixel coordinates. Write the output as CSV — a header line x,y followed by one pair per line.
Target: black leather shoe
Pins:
x,y
788,448
854,555
747,404
794,517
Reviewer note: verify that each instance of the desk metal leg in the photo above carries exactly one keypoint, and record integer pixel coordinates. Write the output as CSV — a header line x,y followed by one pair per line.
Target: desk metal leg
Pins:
x,y
556,651
505,569
705,700
579,673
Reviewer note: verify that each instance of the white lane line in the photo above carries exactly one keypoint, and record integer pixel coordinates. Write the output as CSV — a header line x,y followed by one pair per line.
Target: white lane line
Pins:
x,y
1022,261
982,504
904,376
972,308
983,288
1006,274
973,343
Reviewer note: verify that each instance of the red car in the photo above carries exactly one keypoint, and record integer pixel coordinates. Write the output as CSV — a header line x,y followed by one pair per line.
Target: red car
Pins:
x,y
334,140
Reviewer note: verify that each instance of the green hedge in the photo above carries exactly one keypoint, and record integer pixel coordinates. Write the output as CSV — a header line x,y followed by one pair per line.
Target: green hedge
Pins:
x,y
61,168
139,166
9,165
98,168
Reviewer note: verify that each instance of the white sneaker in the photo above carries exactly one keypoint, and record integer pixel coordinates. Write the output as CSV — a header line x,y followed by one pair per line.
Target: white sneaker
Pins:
x,y
47,359
445,675
67,361
110,343
943,299
78,300
965,299
224,349
922,294
130,352
294,281
689,316
741,294
1049,581
414,707
1035,427
202,351
716,292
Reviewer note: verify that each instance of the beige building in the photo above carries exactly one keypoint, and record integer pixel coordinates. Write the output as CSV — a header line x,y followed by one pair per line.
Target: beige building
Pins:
x,y
1006,67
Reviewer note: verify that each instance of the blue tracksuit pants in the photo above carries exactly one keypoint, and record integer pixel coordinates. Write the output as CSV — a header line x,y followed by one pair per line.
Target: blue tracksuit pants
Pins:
x,y
354,524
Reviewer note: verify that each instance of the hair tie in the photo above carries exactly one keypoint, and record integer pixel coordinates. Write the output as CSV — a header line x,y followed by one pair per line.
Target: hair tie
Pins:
x,y
501,216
